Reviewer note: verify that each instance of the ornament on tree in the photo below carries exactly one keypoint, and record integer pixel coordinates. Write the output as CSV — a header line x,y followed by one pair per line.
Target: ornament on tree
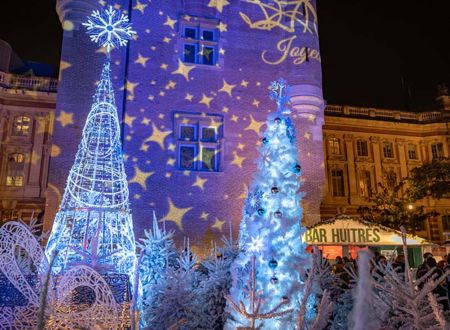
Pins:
x,y
297,168
275,190
278,214
277,120
274,280
265,141
261,211
273,263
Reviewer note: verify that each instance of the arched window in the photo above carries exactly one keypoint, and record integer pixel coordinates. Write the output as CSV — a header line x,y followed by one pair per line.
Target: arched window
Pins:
x,y
21,126
334,146
15,170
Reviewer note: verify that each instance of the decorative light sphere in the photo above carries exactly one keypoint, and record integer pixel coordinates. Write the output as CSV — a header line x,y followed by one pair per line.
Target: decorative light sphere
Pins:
x,y
261,211
265,141
278,214
297,168
275,190
274,280
277,120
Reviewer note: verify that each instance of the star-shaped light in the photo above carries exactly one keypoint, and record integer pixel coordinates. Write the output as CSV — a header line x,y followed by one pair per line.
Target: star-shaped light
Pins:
x,y
65,118
170,22
141,60
199,182
218,224
254,125
140,177
206,100
237,160
204,216
158,136
109,28
175,214
188,97
244,83
183,69
222,27
234,118
140,6
218,4
128,120
227,88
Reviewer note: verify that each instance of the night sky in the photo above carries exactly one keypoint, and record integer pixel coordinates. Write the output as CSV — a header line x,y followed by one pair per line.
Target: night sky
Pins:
x,y
368,47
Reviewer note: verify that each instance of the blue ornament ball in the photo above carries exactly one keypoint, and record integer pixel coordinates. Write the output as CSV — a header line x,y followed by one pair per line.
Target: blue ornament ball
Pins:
x,y
273,264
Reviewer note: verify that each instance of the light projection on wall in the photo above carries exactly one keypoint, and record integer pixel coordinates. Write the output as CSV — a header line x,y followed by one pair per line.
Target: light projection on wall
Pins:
x,y
94,224
295,16
162,93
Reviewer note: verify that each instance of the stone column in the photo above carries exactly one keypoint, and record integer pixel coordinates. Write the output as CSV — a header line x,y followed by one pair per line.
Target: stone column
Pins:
x,y
402,157
377,160
33,187
353,191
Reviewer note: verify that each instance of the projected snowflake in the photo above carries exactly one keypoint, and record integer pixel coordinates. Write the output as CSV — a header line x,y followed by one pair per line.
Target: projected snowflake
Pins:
x,y
109,28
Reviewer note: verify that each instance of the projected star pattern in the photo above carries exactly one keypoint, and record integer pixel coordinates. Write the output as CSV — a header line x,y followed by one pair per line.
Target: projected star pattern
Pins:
x,y
193,203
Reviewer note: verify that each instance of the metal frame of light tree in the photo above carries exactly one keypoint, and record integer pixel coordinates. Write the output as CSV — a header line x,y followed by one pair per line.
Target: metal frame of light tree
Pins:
x,y
93,225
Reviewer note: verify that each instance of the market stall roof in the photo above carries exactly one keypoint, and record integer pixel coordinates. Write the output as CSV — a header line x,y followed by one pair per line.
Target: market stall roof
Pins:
x,y
348,230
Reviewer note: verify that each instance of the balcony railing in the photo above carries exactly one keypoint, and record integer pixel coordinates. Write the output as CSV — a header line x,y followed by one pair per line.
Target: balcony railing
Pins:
x,y
383,114
39,84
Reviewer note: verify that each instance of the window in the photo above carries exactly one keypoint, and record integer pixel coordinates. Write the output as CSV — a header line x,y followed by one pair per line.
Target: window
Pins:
x,y
388,150
15,170
199,141
412,153
391,179
21,126
437,150
200,44
361,148
446,223
365,185
337,183
333,146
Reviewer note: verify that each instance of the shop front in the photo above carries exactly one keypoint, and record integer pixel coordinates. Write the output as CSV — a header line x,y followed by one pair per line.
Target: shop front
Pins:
x,y
346,236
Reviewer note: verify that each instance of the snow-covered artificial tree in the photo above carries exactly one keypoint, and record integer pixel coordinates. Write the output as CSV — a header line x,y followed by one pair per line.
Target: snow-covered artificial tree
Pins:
x,y
158,256
175,297
271,226
94,216
410,304
216,285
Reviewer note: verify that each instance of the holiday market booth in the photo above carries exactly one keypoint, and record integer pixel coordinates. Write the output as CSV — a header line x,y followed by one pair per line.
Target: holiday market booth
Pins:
x,y
345,236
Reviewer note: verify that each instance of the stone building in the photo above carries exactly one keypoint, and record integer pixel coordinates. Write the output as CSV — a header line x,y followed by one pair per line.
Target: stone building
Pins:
x,y
27,105
365,146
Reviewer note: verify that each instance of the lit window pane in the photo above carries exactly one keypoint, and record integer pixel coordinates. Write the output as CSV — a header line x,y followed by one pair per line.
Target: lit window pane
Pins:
x,y
189,53
15,171
187,157
21,126
208,159
208,55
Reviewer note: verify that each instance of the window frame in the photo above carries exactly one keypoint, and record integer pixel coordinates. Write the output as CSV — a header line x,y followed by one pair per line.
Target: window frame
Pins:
x,y
336,146
12,182
391,147
410,150
438,149
200,122
365,177
341,183
13,126
358,148
200,43
447,220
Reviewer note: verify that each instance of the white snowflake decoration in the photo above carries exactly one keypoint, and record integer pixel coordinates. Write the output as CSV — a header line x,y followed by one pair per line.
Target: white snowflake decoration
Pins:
x,y
109,28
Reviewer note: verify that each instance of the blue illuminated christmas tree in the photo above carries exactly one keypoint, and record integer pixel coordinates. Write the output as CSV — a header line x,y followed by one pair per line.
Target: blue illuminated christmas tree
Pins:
x,y
93,225
270,269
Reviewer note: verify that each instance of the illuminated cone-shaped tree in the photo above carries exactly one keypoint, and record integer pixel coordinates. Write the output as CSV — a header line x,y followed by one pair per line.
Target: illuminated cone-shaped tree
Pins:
x,y
271,229
94,224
